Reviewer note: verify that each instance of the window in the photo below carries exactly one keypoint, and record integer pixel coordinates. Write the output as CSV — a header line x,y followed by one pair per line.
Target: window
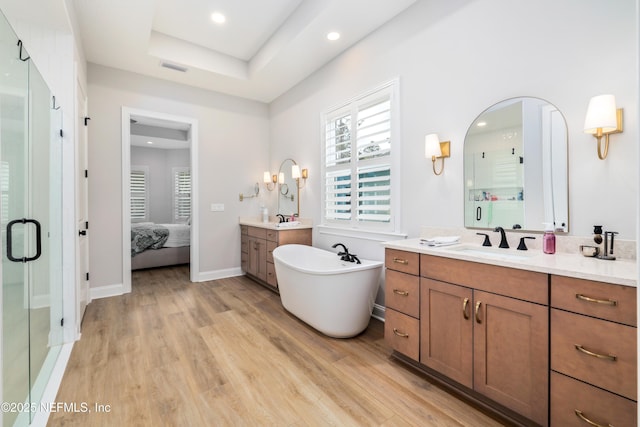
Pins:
x,y
181,194
139,193
360,153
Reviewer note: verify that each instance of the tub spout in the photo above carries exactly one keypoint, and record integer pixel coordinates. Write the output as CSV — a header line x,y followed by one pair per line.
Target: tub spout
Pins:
x,y
345,252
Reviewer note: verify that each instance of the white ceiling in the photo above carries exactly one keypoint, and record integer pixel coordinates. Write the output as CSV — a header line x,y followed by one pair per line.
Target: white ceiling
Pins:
x,y
263,49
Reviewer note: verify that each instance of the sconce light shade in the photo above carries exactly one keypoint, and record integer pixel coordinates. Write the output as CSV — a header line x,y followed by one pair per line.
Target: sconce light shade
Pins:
x,y
432,146
603,119
601,113
295,172
269,180
281,178
435,149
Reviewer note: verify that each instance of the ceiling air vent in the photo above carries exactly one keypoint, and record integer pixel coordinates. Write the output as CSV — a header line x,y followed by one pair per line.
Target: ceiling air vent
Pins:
x,y
175,67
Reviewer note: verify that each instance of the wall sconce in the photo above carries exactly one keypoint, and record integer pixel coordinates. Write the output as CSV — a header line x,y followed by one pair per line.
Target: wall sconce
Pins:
x,y
435,149
603,119
270,180
297,174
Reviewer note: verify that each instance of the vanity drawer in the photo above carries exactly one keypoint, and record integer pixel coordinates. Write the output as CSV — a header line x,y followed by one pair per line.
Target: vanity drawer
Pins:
x,y
605,300
406,262
402,292
597,405
402,333
260,233
271,275
583,347
244,230
521,284
270,247
272,235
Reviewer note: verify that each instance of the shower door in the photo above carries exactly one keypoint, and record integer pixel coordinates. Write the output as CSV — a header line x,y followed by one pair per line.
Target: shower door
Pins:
x,y
30,220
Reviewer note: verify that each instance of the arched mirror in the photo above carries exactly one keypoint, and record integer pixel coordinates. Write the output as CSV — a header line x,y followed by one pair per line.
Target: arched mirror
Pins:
x,y
288,191
515,167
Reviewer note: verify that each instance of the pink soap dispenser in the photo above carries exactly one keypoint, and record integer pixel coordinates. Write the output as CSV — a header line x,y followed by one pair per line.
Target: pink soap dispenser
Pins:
x,y
548,239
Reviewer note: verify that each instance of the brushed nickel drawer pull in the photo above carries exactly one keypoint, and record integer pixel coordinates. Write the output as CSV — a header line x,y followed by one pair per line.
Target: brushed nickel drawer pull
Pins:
x,y
400,334
597,301
465,303
401,293
580,415
599,356
401,261
478,304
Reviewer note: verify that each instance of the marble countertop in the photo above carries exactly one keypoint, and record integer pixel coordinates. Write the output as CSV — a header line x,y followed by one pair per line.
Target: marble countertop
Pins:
x,y
273,224
620,271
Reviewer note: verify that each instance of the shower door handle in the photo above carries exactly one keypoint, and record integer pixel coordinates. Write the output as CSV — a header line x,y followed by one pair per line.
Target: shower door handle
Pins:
x,y
10,242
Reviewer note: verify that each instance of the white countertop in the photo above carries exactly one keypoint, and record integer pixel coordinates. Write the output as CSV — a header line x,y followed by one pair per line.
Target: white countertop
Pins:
x,y
274,225
620,271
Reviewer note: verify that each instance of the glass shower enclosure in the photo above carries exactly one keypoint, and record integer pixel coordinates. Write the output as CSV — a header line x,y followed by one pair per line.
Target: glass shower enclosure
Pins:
x,y
30,223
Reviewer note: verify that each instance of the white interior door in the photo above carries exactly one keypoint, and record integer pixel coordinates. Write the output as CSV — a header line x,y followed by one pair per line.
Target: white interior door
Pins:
x,y
82,204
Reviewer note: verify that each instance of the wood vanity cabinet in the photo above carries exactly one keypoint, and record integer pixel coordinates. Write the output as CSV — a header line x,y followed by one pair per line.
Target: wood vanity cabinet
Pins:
x,y
257,245
402,297
593,353
486,327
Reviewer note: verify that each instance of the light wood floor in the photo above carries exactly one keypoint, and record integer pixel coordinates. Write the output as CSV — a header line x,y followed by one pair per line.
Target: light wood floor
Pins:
x,y
225,352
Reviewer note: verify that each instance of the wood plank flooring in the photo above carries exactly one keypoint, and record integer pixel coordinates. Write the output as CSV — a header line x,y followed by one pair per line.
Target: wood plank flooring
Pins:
x,y
225,353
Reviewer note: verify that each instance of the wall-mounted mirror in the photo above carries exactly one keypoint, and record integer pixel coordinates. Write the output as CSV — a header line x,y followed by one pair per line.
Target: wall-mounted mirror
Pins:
x,y
515,167
288,191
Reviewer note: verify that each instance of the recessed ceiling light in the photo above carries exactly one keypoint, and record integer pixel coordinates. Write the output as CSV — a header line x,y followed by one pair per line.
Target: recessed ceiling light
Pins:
x,y
218,18
333,35
149,142
481,124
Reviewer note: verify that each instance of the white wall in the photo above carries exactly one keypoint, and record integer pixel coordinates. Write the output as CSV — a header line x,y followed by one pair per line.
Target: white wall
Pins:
x,y
160,163
456,58
233,152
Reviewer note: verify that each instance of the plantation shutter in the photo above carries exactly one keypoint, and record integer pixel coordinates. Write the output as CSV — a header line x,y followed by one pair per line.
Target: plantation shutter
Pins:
x,y
182,193
138,187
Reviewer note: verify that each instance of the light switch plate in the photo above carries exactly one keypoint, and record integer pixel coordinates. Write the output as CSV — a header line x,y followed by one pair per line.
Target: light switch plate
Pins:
x,y
217,207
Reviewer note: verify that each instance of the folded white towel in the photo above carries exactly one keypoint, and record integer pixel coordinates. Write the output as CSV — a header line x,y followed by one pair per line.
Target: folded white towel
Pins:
x,y
441,241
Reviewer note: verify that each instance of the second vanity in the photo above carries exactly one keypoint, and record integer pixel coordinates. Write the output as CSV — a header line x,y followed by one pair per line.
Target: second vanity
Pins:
x,y
258,240
537,339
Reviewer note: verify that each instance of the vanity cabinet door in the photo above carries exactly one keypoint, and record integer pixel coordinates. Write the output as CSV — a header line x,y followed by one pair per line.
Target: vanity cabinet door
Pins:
x,y
446,329
257,263
511,353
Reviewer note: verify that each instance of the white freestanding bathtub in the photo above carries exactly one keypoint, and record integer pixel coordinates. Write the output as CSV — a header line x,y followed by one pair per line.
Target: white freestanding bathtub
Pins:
x,y
333,296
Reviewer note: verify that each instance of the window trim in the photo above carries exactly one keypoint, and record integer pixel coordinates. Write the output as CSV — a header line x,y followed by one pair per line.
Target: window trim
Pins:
x,y
390,89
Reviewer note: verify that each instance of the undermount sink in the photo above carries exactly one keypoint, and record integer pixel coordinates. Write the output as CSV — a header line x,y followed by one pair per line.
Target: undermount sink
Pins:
x,y
491,252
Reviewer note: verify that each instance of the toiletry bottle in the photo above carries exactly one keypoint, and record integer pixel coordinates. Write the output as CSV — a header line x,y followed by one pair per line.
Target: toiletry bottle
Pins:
x,y
265,214
548,239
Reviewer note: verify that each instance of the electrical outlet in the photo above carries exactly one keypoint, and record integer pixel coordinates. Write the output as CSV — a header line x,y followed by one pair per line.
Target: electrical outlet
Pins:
x,y
217,207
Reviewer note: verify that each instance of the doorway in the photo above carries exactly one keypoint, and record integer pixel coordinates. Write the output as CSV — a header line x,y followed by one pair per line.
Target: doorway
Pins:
x,y
136,125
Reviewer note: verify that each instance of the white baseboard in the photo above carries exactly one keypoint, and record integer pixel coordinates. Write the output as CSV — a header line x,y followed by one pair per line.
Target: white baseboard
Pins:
x,y
219,274
378,312
106,291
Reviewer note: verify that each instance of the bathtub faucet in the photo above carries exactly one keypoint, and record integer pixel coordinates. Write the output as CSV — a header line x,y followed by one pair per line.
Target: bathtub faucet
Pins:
x,y
345,255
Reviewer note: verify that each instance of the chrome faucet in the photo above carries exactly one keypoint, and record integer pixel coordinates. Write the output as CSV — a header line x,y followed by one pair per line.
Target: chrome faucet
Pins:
x,y
503,238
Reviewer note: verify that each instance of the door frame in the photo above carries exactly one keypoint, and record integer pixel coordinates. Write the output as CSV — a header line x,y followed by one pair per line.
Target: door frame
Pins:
x,y
194,250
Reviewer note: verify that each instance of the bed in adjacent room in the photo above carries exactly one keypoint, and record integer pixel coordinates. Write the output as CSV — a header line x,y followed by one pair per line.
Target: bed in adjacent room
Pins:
x,y
159,245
